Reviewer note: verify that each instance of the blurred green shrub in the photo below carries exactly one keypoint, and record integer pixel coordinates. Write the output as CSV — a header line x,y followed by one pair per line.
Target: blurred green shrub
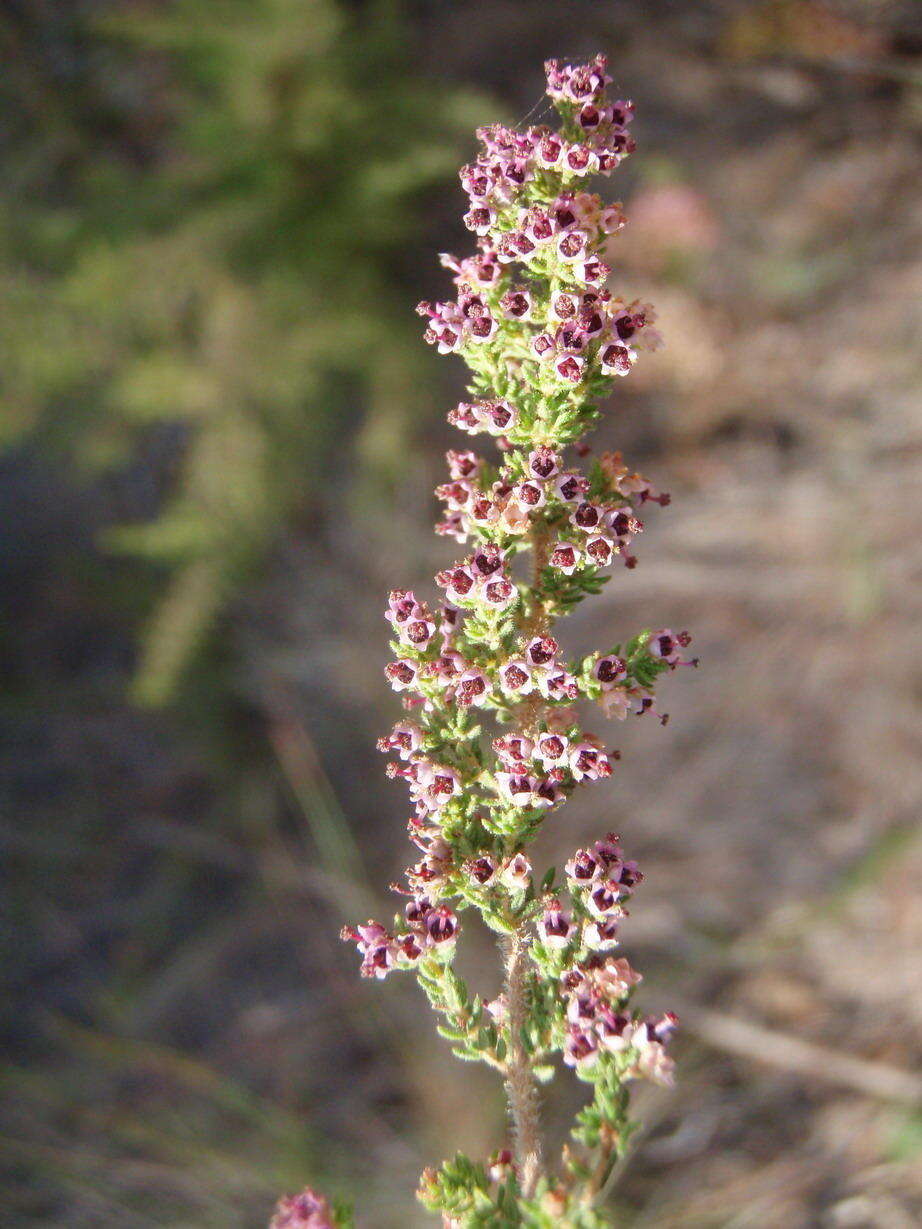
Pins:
x,y
201,223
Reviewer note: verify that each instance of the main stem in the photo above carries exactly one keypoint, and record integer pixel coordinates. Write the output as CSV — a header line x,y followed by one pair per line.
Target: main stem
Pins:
x,y
521,1087
536,623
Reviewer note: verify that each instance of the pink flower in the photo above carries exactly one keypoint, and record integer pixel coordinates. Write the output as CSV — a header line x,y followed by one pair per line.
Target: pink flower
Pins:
x,y
516,305
405,738
401,603
482,870
565,306
583,867
581,84
369,935
467,418
616,703
616,359
536,222
593,272
565,557
610,671
441,925
438,785
516,874
404,610
432,870
473,687
623,524
487,560
456,495
655,1064
588,762
571,339
581,159
483,511
543,462
581,1048
602,933
552,749
463,465
603,899
587,516
402,673
419,631
661,1029
613,978
542,650
446,669
590,117
452,527
515,677
547,793
417,910
498,1010
627,876
500,1166
615,1031
500,593
543,347
501,416
514,749
649,1039
570,367
558,684
611,219
518,787
554,925
571,487
457,582
530,495
376,946
667,646
609,851
480,219
599,550
305,1211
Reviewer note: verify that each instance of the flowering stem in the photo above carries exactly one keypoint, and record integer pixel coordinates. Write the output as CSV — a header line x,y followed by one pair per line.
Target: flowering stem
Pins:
x,y
492,742
521,1086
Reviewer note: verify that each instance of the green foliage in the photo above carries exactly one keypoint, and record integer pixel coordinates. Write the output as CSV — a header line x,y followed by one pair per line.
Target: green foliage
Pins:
x,y
474,1037
201,236
462,1190
343,1215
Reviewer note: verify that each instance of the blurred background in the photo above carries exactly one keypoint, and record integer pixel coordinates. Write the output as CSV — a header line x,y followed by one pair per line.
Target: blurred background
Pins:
x,y
220,432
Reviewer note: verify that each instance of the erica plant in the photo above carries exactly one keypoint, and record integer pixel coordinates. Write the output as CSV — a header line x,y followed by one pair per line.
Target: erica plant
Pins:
x,y
493,741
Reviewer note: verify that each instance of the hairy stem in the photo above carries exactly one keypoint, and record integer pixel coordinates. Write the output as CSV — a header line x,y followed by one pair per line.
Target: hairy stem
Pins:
x,y
540,545
521,1088
536,622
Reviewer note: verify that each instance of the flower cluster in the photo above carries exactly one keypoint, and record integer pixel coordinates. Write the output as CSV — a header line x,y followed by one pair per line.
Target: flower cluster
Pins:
x,y
595,985
427,926
494,735
593,521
